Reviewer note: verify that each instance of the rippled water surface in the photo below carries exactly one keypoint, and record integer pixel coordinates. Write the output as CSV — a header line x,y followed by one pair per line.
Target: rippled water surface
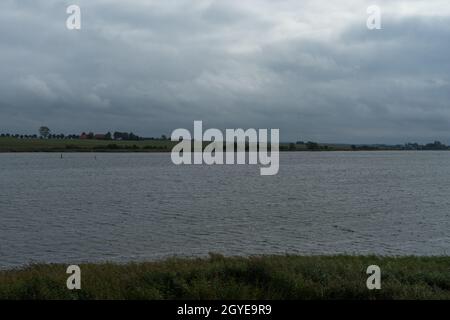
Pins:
x,y
123,207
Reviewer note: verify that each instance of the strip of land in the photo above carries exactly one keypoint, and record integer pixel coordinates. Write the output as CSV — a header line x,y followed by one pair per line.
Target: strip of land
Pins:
x,y
218,277
11,144
14,144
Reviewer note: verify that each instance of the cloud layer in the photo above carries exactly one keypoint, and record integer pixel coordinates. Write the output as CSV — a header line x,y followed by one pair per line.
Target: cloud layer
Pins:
x,y
310,68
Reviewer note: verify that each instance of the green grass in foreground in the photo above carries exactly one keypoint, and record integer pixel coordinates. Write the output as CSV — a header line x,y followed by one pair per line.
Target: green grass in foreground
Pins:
x,y
267,277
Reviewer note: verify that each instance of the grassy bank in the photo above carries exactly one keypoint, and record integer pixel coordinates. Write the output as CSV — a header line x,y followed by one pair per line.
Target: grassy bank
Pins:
x,y
267,277
83,145
12,144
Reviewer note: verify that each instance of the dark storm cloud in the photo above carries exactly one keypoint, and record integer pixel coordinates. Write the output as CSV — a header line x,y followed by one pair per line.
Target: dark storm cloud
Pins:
x,y
310,68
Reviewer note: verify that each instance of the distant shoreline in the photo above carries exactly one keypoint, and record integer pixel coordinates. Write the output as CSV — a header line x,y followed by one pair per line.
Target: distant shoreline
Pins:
x,y
17,145
168,151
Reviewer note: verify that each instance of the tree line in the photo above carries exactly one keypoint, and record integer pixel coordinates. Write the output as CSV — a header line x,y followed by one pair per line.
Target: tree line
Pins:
x,y
46,133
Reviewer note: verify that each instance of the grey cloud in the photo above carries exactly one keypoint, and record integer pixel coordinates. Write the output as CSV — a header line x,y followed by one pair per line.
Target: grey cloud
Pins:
x,y
151,67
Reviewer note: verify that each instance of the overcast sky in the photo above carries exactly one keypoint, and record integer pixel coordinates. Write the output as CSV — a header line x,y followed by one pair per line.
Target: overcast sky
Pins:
x,y
310,68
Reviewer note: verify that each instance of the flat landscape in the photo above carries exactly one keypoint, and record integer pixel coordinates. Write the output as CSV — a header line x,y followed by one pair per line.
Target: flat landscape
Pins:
x,y
13,144
82,145
218,277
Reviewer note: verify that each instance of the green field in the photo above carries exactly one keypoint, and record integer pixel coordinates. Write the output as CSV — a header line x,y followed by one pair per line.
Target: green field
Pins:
x,y
65,145
217,277
11,144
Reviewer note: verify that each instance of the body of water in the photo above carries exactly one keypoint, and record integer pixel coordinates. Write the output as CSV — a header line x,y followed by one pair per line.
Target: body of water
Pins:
x,y
133,207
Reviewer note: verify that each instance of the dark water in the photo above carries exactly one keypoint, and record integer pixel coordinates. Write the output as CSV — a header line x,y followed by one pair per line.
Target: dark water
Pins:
x,y
123,207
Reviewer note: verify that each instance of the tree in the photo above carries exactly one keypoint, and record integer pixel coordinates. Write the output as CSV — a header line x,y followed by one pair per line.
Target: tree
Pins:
x,y
44,132
122,135
132,136
312,145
